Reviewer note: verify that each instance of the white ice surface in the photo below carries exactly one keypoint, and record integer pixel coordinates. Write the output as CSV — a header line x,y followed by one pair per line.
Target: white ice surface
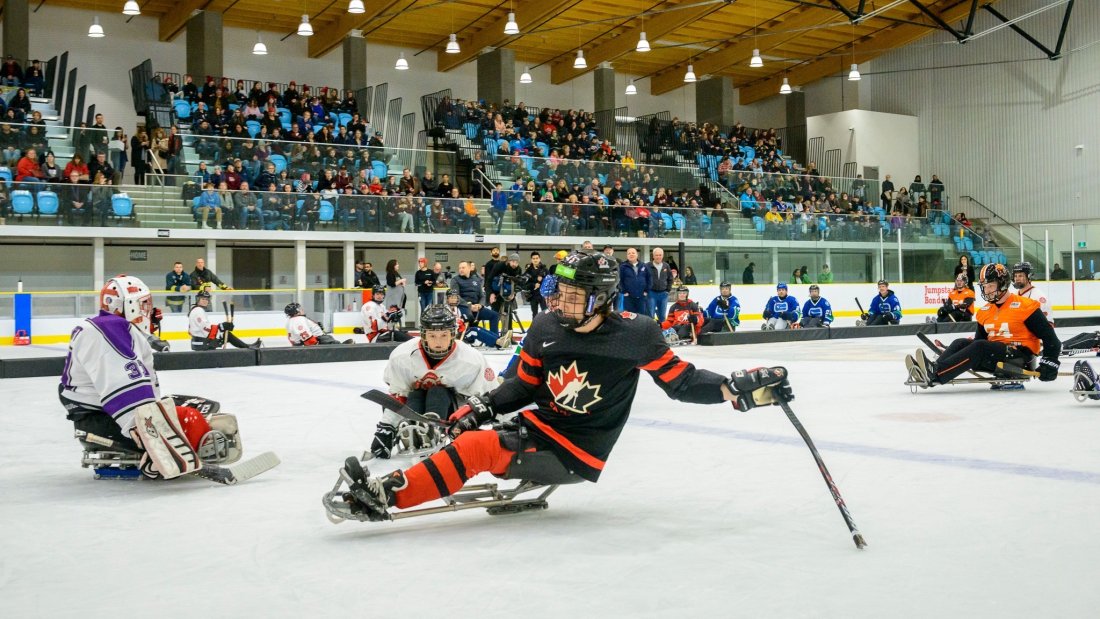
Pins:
x,y
974,504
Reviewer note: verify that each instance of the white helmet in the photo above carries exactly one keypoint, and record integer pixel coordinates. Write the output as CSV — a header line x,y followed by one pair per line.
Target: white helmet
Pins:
x,y
129,297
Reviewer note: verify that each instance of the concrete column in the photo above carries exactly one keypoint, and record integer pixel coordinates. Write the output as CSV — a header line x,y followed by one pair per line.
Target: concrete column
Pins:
x,y
300,268
212,255
775,266
98,276
17,31
349,264
204,45
604,87
355,61
715,101
496,76
828,258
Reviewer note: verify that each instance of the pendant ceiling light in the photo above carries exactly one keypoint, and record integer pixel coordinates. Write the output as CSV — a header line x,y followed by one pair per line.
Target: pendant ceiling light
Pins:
x,y
356,7
579,62
689,77
756,61
401,64
643,44
95,30
304,28
511,27
525,77
452,44
259,48
631,89
131,8
785,89
853,75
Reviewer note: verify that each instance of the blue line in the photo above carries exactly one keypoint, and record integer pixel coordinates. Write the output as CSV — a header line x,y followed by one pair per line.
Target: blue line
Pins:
x,y
886,453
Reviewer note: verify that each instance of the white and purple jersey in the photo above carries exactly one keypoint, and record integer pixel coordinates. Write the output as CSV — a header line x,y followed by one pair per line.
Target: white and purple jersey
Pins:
x,y
109,368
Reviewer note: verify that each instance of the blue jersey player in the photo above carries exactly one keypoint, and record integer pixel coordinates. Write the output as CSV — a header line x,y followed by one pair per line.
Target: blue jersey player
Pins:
x,y
816,312
781,311
723,313
885,309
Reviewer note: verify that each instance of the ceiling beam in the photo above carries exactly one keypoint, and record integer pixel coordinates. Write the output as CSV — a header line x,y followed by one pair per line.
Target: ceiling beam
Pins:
x,y
562,71
530,14
673,77
175,20
893,37
328,37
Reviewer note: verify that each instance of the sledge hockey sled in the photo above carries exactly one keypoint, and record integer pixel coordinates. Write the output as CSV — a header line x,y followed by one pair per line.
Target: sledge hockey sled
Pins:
x,y
1010,375
1083,376
1081,344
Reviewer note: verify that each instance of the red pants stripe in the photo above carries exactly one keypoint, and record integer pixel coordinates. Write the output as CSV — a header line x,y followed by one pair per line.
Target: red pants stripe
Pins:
x,y
447,470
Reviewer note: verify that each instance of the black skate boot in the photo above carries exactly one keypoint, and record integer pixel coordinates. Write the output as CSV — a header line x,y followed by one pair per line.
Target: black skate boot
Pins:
x,y
1084,379
382,445
370,496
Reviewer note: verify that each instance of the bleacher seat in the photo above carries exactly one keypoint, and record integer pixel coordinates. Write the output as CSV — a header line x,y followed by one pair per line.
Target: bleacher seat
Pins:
x,y
253,127
5,173
279,161
22,202
379,169
758,223
968,243
47,203
343,118
327,213
976,258
122,206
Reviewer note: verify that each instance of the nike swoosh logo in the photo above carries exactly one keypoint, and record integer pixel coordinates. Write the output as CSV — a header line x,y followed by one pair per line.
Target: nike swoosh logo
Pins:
x,y
549,344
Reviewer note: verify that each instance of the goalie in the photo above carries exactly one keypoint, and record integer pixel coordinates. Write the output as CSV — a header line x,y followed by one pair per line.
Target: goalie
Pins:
x,y
110,392
430,374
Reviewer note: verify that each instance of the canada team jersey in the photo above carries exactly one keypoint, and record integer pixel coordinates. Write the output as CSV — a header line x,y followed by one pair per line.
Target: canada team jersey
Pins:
x,y
109,368
464,369
583,384
1040,297
199,325
1005,322
684,313
301,331
818,309
374,320
782,307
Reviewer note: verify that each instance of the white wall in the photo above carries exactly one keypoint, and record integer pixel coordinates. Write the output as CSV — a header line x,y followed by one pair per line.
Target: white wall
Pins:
x,y
888,141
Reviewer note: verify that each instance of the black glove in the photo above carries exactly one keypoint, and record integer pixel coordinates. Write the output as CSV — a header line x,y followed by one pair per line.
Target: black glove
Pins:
x,y
382,444
357,330
760,386
227,326
724,304
767,314
158,344
155,317
968,302
470,416
1048,369
864,316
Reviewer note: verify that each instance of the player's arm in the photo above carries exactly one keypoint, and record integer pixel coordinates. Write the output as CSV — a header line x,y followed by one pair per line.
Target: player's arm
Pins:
x,y
1037,323
123,383
514,393
395,379
828,316
678,378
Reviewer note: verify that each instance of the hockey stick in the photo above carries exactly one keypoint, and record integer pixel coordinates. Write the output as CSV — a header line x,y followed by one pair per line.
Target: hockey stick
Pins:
x,y
861,312
857,537
391,403
1021,372
225,475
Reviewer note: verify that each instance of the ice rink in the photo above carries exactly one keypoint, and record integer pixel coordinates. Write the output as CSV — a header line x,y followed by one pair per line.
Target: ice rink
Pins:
x,y
974,504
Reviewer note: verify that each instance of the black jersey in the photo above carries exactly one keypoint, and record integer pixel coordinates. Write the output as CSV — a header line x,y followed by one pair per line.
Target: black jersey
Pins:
x,y
583,384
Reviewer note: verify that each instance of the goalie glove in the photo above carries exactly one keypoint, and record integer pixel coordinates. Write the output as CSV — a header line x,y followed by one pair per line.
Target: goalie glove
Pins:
x,y
1048,369
759,387
470,416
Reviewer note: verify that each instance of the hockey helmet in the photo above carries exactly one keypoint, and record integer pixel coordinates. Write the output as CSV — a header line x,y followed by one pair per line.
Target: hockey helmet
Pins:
x,y
961,281
129,297
725,285
378,290
683,290
1021,267
437,318
594,273
781,287
883,282
453,298
292,309
993,274
814,288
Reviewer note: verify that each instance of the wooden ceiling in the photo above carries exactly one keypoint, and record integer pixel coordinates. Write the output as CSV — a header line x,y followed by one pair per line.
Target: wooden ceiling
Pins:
x,y
804,40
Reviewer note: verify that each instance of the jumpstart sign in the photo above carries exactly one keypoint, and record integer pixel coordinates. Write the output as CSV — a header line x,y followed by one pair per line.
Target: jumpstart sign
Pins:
x,y
934,295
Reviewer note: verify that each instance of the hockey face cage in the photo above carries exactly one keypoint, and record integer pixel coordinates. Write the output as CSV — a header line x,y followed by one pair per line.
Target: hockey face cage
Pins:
x,y
993,274
596,275
129,297
437,318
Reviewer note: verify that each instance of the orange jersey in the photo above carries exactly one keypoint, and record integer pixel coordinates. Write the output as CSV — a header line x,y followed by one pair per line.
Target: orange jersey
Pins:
x,y
1005,323
958,299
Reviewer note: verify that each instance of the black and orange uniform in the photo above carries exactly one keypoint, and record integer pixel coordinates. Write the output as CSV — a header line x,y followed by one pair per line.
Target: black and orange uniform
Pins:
x,y
582,385
957,307
684,317
1013,329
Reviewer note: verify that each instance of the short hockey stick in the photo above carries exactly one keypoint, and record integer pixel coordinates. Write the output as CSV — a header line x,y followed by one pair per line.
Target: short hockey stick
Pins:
x,y
391,403
857,537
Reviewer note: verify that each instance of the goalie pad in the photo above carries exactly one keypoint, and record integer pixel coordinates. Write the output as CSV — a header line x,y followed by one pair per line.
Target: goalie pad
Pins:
x,y
157,430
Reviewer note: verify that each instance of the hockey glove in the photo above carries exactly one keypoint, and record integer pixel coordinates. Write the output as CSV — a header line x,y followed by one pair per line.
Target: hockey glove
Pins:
x,y
357,330
724,304
227,326
470,416
864,316
760,386
767,314
382,444
1048,369
158,344
155,318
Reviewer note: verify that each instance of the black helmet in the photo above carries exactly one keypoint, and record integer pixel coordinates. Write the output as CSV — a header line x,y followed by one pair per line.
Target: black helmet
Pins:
x,y
683,289
814,287
437,318
378,290
994,273
883,282
597,275
203,293
1021,267
725,285
292,309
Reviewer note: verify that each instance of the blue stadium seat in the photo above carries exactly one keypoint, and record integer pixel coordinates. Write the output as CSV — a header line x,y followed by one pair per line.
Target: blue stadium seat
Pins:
x,y
380,170
253,127
343,119
968,243
122,206
183,109
976,258
22,202
279,161
47,203
758,223
327,213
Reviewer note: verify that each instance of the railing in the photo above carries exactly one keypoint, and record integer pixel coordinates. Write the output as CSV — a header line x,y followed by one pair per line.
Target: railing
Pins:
x,y
280,87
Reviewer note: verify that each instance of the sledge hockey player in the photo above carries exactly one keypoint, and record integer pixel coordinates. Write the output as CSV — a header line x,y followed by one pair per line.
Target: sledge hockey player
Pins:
x,y
430,374
1011,329
816,312
206,335
724,311
109,389
885,309
781,311
579,366
1021,281
1085,384
377,319
470,333
959,304
301,331
684,318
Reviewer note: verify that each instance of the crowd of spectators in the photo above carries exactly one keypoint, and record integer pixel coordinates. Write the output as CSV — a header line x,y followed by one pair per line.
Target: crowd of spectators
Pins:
x,y
32,78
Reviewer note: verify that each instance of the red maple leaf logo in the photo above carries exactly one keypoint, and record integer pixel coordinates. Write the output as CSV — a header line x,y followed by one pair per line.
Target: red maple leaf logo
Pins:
x,y
572,390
